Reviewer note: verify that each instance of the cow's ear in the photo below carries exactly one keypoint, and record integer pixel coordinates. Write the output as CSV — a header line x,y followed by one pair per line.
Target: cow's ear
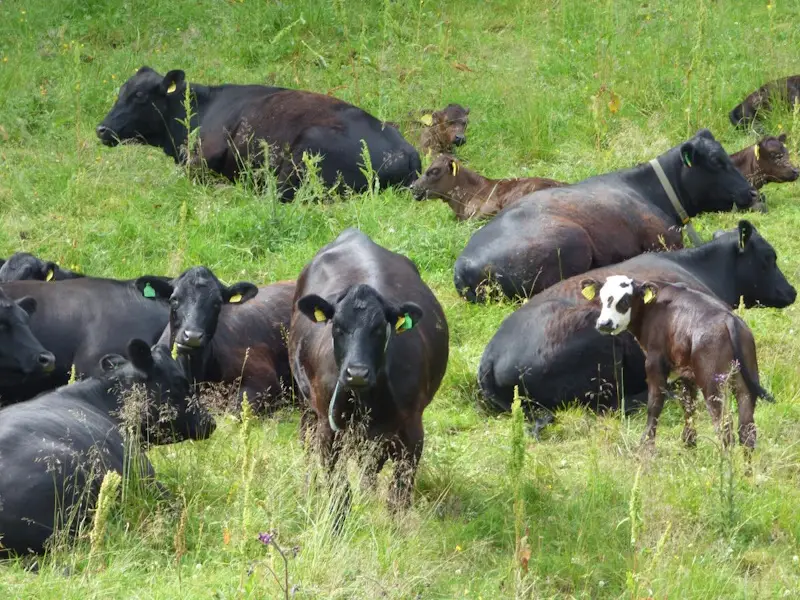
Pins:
x,y
688,154
705,133
154,288
315,308
239,293
27,304
140,355
405,317
110,362
49,271
144,69
439,117
649,292
589,288
782,138
173,81
745,230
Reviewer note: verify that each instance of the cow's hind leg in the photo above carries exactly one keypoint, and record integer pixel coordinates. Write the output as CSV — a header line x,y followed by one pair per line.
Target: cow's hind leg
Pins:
x,y
405,451
687,392
747,426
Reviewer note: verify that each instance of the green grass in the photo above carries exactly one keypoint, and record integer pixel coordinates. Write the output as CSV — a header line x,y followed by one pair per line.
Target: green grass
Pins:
x,y
539,81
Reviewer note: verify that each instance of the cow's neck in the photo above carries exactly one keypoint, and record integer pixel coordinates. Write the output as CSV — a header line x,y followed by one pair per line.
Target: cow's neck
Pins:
x,y
201,97
194,364
714,264
469,187
100,393
645,181
745,161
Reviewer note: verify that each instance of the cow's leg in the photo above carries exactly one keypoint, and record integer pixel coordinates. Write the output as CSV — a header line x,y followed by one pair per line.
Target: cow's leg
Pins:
x,y
714,397
656,382
747,426
688,393
341,497
406,451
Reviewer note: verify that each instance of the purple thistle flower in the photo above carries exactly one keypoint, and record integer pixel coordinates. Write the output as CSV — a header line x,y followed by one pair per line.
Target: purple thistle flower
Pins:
x,y
266,538
721,378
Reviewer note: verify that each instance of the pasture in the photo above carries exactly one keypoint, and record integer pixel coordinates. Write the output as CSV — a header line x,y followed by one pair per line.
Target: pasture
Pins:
x,y
560,89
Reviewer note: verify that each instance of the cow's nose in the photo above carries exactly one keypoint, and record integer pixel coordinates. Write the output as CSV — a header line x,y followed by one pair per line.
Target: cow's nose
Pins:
x,y
192,338
460,139
46,361
754,195
605,326
356,375
795,174
101,131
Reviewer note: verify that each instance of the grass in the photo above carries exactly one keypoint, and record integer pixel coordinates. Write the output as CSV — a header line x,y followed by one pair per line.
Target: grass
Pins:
x,y
599,520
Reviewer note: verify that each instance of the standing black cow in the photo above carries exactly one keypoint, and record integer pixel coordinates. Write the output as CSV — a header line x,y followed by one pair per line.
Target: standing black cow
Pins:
x,y
24,266
22,356
235,120
552,351
368,342
56,449
80,320
222,333
555,233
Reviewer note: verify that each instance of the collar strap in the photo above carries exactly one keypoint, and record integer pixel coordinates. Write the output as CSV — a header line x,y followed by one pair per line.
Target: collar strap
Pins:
x,y
676,204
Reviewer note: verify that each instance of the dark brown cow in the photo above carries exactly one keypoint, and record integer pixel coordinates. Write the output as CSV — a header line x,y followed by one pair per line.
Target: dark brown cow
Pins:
x,y
766,161
368,344
230,334
444,129
470,195
769,95
688,333
235,122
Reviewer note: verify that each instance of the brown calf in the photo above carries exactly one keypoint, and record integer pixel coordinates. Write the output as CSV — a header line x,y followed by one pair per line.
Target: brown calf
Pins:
x,y
765,98
688,333
470,195
766,161
436,131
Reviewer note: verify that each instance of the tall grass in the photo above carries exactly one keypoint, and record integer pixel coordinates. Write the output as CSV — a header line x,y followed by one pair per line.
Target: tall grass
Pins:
x,y
561,89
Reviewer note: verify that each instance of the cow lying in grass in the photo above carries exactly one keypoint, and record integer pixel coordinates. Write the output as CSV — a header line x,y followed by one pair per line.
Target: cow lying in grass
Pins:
x,y
785,90
471,195
766,161
24,266
692,335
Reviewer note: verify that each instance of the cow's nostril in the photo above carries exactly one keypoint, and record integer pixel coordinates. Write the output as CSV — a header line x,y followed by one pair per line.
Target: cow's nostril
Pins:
x,y
101,130
192,338
459,140
46,361
356,375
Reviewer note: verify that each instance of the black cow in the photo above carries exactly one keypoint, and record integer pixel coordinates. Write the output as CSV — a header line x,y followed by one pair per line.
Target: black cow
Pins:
x,y
223,333
56,449
80,320
23,266
235,120
22,356
765,98
555,233
368,342
550,347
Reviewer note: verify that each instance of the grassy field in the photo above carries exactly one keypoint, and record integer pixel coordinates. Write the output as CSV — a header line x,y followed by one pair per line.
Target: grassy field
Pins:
x,y
563,89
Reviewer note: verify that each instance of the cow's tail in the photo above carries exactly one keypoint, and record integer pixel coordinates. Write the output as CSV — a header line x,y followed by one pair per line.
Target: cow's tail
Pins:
x,y
750,379
486,381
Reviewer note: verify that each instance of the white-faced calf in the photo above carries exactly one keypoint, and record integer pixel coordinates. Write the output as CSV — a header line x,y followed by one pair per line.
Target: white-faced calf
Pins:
x,y
689,334
470,195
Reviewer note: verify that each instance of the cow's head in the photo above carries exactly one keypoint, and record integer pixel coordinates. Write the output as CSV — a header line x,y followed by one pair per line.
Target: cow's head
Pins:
x,y
363,324
619,297
167,414
24,266
142,111
21,354
772,161
439,180
709,180
196,298
446,128
759,279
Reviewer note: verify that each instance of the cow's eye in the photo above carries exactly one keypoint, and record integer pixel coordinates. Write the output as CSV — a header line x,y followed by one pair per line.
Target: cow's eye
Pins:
x,y
623,305
174,302
434,172
139,95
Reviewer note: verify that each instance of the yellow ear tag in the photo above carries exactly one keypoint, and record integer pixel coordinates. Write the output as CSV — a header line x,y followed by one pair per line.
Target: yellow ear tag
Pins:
x,y
757,152
319,315
50,275
454,167
401,320
649,296
589,292
235,299
426,120
741,240
172,87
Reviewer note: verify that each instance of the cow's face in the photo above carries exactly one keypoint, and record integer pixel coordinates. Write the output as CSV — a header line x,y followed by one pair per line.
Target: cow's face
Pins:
x,y
141,112
196,298
167,414
439,180
21,354
454,118
758,277
773,162
362,325
709,179
24,266
619,296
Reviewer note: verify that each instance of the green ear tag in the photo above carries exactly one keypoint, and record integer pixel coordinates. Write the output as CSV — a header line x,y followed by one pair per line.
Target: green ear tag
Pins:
x,y
686,160
148,291
407,323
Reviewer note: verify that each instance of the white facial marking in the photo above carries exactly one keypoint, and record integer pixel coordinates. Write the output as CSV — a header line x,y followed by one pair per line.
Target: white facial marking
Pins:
x,y
615,317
